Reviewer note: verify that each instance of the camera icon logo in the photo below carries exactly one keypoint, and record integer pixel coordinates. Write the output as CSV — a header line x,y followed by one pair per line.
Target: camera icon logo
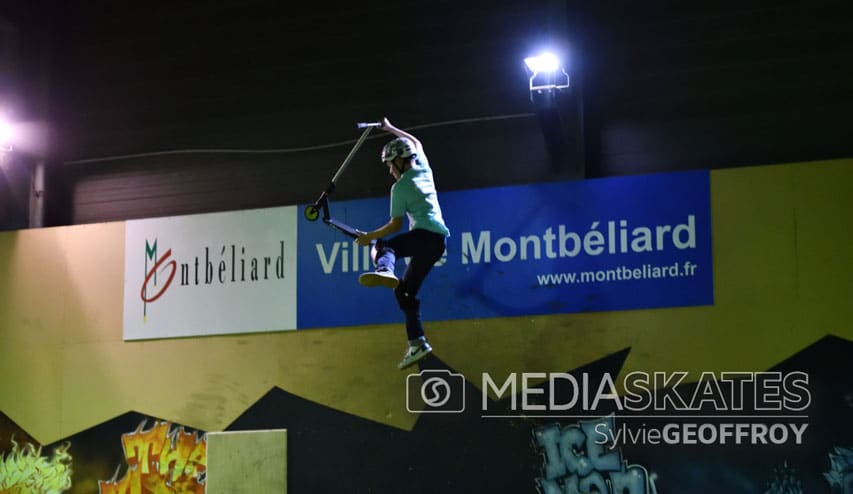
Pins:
x,y
435,391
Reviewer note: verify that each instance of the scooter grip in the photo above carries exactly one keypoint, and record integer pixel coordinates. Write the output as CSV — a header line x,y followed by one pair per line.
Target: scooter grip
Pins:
x,y
364,125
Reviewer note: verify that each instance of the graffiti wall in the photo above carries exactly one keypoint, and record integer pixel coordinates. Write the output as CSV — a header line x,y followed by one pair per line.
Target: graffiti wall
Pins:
x,y
752,394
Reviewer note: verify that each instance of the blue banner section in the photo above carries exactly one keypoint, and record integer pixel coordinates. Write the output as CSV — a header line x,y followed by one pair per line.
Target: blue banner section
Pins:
x,y
590,245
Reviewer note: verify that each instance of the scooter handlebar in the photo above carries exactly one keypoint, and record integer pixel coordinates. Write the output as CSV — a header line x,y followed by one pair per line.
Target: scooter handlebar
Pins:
x,y
364,125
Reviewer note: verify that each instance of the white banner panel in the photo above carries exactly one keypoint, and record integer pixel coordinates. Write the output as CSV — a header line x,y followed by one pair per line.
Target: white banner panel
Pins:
x,y
210,274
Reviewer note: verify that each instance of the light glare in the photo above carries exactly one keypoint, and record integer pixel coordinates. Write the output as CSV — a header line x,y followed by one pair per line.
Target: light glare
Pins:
x,y
5,132
5,135
546,62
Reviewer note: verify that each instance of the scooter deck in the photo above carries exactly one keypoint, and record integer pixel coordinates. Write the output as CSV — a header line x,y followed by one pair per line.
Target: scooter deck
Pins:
x,y
341,227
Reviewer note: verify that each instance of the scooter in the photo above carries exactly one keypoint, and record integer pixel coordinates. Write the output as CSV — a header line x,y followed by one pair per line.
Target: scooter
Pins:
x,y
312,211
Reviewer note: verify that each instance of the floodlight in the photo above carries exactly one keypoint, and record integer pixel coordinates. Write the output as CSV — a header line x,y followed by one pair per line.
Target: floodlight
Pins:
x,y
547,74
545,63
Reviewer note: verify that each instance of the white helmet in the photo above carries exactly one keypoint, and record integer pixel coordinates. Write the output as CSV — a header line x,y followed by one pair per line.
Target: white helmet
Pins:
x,y
399,147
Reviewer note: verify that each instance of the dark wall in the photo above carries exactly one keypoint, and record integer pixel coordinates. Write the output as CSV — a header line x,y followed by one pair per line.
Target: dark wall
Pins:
x,y
256,75
660,86
717,84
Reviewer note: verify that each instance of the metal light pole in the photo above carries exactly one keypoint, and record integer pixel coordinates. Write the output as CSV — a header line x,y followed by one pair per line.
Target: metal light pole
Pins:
x,y
555,103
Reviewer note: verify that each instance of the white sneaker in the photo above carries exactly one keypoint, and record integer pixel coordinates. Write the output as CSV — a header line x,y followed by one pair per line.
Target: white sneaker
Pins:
x,y
379,278
413,354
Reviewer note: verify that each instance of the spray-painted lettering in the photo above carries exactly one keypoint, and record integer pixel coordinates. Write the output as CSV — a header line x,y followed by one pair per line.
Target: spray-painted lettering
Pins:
x,y
574,463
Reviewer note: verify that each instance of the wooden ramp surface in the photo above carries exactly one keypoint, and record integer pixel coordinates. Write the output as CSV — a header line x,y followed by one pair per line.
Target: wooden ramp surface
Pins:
x,y
247,462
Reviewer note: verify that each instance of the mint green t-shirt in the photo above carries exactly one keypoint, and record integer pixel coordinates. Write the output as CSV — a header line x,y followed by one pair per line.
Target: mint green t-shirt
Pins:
x,y
415,195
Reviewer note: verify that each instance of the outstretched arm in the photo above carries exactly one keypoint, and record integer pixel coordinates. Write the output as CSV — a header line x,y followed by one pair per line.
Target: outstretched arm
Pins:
x,y
393,226
388,127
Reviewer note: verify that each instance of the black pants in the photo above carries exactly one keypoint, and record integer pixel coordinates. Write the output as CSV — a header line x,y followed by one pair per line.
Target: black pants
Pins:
x,y
424,248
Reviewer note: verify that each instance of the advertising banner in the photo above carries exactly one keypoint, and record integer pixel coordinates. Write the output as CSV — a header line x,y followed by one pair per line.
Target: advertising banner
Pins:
x,y
210,274
593,245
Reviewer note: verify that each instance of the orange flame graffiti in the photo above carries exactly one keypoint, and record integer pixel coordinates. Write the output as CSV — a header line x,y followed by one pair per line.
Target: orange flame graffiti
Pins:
x,y
161,460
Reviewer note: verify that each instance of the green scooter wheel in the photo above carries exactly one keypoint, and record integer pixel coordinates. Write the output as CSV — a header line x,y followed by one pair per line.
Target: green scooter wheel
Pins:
x,y
312,213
